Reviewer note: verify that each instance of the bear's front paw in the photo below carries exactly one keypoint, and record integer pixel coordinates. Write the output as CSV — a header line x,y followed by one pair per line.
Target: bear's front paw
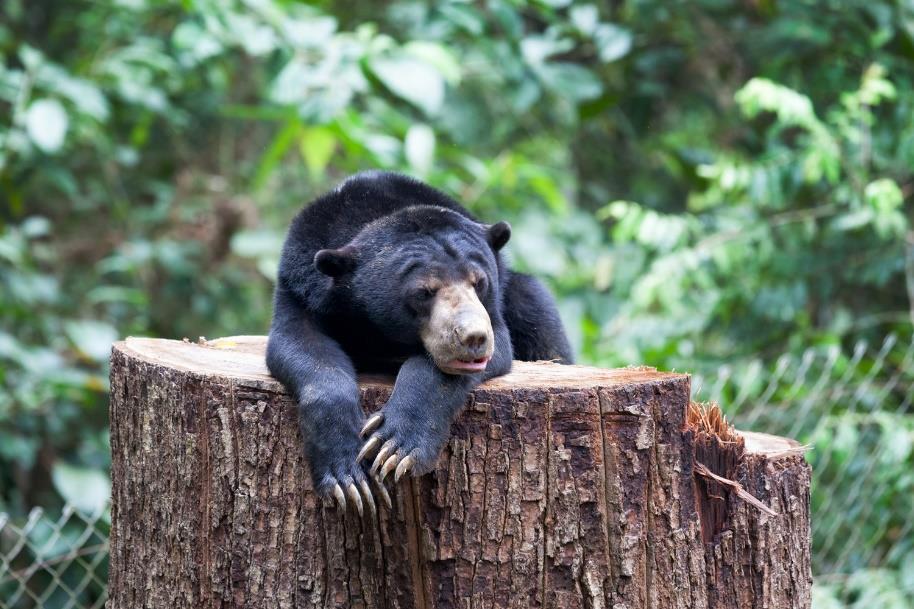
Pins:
x,y
404,442
341,477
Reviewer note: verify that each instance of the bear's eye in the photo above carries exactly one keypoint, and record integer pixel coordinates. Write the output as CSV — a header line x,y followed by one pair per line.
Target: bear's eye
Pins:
x,y
479,283
423,294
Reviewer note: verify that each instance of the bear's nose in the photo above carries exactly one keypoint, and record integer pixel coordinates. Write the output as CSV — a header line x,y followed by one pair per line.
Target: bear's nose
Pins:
x,y
472,333
474,339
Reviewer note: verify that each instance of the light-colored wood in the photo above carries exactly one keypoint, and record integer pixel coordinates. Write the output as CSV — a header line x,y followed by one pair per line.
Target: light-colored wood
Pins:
x,y
561,486
242,357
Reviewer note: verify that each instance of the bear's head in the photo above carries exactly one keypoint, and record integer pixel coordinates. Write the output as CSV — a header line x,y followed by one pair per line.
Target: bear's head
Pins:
x,y
426,275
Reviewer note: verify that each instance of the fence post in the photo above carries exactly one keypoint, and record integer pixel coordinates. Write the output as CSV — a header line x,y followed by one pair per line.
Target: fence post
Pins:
x,y
561,487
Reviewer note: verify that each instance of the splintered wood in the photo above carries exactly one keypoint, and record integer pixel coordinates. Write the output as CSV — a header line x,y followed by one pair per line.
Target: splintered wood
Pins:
x,y
718,450
562,486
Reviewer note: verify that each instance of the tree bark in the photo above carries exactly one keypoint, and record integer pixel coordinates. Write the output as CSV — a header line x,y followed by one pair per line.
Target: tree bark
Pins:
x,y
561,486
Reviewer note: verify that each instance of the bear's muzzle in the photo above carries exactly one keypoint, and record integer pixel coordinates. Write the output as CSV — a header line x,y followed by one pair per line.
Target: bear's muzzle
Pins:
x,y
459,334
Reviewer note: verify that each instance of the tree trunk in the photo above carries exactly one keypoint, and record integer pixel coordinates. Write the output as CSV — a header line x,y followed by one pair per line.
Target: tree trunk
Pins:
x,y
561,486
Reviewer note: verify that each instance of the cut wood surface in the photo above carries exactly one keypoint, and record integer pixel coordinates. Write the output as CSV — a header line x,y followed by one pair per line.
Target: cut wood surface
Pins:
x,y
562,486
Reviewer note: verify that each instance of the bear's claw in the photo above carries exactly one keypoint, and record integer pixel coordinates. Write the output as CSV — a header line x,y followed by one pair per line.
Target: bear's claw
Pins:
x,y
369,498
401,442
384,494
339,496
356,493
389,465
371,424
370,445
382,455
403,467
353,493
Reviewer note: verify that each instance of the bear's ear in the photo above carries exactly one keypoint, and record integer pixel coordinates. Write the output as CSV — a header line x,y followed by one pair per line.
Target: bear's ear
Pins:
x,y
335,262
498,234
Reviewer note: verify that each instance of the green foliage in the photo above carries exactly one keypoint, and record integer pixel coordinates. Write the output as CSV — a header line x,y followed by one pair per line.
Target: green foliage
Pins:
x,y
700,183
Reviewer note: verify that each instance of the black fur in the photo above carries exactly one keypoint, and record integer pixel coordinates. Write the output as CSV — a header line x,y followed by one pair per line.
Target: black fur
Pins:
x,y
358,307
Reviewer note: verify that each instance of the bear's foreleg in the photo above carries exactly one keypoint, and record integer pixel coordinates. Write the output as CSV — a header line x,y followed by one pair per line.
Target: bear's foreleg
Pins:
x,y
322,380
410,430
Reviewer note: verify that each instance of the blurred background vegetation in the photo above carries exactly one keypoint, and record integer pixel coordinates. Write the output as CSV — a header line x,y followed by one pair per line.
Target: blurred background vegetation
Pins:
x,y
708,185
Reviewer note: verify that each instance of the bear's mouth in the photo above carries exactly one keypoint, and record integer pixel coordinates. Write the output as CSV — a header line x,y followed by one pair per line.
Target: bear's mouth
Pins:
x,y
460,365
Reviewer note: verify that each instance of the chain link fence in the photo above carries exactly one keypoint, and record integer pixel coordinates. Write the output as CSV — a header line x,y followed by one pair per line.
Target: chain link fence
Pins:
x,y
54,562
853,410
851,407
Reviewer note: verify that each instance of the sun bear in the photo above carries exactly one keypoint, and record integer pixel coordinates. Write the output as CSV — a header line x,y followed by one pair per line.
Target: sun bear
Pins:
x,y
387,274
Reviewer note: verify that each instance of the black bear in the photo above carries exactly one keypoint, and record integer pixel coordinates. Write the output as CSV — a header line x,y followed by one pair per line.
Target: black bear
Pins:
x,y
387,274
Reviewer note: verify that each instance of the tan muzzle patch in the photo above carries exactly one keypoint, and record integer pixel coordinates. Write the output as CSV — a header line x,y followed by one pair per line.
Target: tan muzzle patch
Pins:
x,y
458,334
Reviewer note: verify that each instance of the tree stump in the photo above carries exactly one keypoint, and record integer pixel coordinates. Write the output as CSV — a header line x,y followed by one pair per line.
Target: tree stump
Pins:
x,y
562,486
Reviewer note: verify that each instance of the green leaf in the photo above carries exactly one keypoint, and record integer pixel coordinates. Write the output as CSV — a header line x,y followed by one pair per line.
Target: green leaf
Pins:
x,y
411,79
420,148
826,596
257,243
571,80
898,441
762,95
883,195
35,226
9,346
537,49
310,32
92,338
268,267
46,123
261,245
507,17
613,41
88,490
463,16
435,55
198,44
317,145
256,38
585,17
854,219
